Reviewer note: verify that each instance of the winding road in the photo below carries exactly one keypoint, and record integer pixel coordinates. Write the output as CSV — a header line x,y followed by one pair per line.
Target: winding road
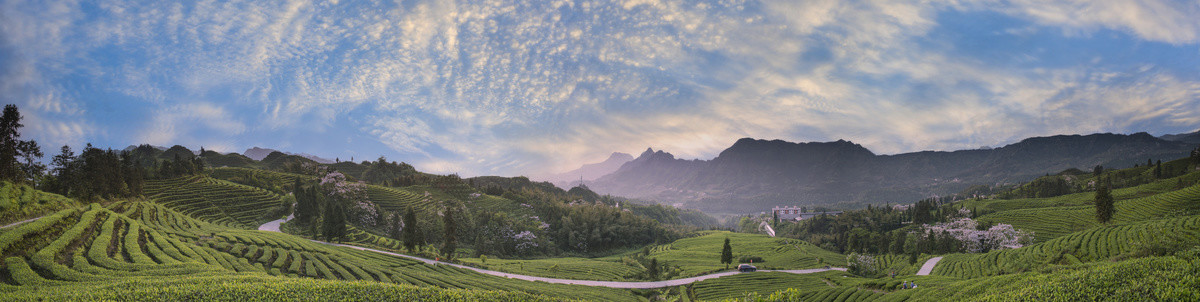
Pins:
x,y
273,226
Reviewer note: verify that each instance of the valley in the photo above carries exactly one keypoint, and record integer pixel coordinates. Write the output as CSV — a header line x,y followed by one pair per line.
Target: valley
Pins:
x,y
214,227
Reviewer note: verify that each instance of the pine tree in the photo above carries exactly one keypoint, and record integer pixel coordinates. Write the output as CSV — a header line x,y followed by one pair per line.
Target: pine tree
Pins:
x,y
412,234
652,270
775,219
727,253
1104,204
307,201
1158,173
334,221
898,242
18,158
450,244
394,227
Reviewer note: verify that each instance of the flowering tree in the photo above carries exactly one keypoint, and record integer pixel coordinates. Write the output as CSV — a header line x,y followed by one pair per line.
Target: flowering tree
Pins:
x,y
1000,236
861,264
353,196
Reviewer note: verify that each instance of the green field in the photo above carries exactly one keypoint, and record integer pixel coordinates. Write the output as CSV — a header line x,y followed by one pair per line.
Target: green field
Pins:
x,y
702,254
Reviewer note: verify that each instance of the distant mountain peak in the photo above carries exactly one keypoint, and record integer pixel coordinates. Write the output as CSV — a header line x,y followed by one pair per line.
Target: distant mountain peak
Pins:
x,y
259,154
648,152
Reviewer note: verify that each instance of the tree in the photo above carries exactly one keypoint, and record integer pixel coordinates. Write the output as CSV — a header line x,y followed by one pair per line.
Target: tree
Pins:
x,y
1097,170
1158,173
308,201
334,221
727,253
1104,203
65,169
898,242
394,227
450,244
412,234
18,158
652,270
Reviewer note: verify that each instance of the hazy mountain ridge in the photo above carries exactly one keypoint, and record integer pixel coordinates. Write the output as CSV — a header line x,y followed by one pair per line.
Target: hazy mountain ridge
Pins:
x,y
589,172
752,174
1193,138
259,154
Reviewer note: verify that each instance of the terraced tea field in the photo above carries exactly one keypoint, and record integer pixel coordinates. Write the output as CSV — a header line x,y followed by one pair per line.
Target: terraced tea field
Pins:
x,y
142,239
1096,244
217,201
765,282
1052,222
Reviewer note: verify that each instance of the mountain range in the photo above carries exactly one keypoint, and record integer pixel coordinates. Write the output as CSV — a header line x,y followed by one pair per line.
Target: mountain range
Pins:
x,y
753,175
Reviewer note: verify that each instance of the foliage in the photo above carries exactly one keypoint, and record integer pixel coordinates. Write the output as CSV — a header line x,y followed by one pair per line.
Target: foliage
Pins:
x,y
727,253
94,174
18,158
1104,204
450,243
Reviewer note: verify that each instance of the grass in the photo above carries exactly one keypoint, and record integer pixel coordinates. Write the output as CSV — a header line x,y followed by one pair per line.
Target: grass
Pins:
x,y
603,269
701,254
1079,199
19,202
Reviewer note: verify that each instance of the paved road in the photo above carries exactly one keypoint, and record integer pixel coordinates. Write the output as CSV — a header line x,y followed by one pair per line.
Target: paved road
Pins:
x,y
770,230
20,222
928,266
273,226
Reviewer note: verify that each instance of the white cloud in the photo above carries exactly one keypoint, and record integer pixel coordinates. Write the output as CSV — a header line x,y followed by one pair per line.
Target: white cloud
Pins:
x,y
191,124
1153,20
523,87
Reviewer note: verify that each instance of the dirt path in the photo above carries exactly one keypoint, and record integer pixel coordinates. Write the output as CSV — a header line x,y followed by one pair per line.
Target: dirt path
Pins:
x,y
928,266
273,226
20,222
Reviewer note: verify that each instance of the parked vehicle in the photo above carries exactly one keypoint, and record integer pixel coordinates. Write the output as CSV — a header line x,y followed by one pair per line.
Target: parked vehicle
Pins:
x,y
746,268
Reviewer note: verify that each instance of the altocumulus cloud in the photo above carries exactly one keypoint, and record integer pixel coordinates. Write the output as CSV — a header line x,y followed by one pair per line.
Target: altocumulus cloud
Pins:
x,y
529,87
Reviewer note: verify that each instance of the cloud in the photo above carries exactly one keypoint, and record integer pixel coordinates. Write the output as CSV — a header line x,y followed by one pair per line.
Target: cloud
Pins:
x,y
1155,20
499,87
192,124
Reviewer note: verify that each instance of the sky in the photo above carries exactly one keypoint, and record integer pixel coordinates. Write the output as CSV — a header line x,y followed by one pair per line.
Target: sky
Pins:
x,y
535,87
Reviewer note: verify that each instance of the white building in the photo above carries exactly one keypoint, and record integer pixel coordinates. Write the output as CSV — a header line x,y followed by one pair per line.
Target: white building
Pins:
x,y
796,213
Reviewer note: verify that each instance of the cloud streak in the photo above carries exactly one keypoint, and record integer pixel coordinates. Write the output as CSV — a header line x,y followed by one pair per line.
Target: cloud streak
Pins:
x,y
506,87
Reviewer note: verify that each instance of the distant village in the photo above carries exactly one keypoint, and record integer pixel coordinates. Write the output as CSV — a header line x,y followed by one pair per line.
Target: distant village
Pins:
x,y
797,213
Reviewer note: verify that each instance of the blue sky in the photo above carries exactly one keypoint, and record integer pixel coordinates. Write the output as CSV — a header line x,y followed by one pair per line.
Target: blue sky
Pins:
x,y
534,87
